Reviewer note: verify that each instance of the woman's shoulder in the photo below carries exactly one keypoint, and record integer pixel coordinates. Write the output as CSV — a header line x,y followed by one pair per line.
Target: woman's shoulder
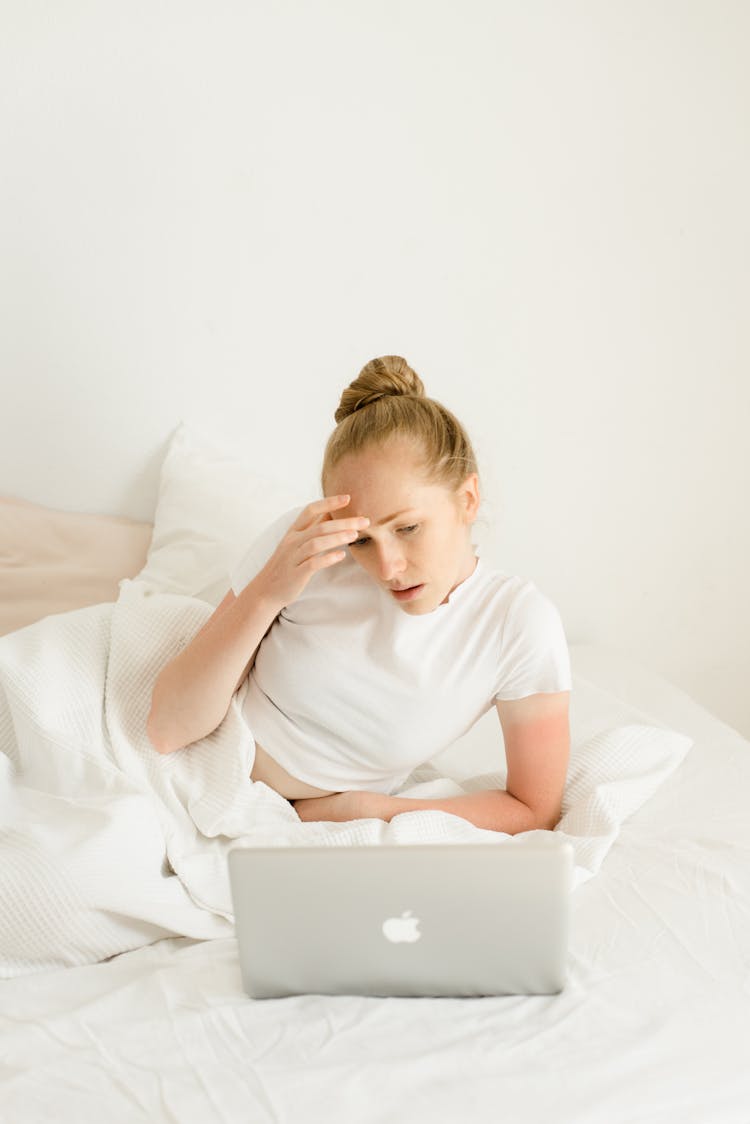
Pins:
x,y
514,595
499,583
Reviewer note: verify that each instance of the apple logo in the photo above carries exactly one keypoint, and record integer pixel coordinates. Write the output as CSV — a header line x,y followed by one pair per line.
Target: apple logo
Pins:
x,y
403,928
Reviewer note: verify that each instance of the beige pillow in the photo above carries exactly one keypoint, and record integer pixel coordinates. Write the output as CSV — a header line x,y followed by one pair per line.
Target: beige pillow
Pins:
x,y
52,561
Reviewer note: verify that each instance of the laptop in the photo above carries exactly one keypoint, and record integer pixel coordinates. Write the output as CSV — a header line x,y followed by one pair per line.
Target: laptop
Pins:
x,y
460,919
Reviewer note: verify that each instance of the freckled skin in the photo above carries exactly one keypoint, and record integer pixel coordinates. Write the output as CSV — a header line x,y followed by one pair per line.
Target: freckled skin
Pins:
x,y
438,552
537,749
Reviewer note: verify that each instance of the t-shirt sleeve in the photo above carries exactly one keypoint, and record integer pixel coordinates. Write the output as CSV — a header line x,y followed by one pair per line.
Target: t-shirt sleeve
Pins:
x,y
255,557
534,656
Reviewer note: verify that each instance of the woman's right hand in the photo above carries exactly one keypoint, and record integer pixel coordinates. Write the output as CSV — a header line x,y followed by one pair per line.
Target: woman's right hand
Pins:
x,y
308,546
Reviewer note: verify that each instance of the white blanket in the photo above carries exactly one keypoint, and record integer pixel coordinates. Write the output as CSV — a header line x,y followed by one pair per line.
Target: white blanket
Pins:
x,y
106,845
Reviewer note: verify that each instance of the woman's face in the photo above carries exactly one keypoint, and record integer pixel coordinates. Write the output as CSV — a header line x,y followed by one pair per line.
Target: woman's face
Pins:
x,y
419,533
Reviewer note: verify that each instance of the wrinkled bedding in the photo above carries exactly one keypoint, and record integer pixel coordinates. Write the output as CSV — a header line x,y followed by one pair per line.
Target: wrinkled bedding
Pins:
x,y
652,1025
108,845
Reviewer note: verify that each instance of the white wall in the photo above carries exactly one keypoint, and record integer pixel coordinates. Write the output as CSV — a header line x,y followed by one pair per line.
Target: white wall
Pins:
x,y
221,210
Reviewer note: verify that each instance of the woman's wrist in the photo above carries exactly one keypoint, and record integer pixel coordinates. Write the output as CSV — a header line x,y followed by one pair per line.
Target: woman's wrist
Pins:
x,y
376,806
258,592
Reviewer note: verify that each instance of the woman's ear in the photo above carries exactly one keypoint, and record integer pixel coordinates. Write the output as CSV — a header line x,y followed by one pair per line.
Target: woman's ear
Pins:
x,y
469,498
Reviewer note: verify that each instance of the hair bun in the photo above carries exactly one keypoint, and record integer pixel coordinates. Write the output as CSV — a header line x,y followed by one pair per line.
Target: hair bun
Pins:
x,y
386,375
387,402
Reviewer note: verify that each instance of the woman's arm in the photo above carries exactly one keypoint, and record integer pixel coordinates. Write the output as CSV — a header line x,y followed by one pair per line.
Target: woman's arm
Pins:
x,y
492,808
192,693
536,733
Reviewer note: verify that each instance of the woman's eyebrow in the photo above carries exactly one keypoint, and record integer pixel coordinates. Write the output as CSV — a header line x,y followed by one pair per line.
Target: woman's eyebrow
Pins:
x,y
390,518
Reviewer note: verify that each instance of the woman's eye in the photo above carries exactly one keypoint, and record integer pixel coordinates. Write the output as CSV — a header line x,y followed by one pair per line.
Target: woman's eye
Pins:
x,y
404,530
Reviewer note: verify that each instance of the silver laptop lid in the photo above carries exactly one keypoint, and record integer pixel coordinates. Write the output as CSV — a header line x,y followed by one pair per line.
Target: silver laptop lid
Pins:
x,y
423,920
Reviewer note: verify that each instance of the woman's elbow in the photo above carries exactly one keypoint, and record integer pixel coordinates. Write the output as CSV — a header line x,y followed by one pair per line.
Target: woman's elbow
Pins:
x,y
162,739
166,740
156,736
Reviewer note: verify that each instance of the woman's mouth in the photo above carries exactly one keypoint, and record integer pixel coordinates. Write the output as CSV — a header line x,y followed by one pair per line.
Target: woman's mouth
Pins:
x,y
408,594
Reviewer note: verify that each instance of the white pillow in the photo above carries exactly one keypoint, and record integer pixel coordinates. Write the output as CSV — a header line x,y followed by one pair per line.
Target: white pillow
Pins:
x,y
212,504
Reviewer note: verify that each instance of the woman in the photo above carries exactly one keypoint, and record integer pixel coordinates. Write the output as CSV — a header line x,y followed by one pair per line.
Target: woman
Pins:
x,y
373,636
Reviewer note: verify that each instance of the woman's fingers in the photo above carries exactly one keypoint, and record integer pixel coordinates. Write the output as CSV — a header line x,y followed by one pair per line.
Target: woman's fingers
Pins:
x,y
312,542
318,518
318,510
336,526
320,543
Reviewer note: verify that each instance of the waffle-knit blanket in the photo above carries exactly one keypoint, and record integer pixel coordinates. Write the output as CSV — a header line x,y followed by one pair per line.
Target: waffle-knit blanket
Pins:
x,y
106,845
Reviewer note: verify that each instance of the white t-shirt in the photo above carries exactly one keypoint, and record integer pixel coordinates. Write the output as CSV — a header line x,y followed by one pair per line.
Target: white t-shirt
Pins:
x,y
350,692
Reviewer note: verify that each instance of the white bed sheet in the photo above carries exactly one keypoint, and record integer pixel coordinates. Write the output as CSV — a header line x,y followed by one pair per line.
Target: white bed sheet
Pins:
x,y
653,1025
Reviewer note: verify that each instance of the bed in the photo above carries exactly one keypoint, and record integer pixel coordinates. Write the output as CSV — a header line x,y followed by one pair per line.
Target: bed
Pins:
x,y
652,1025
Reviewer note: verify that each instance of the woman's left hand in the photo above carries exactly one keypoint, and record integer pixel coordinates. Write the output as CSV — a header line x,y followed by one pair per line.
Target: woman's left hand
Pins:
x,y
338,808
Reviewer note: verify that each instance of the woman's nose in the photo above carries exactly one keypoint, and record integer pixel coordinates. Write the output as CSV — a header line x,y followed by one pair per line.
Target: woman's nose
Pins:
x,y
391,563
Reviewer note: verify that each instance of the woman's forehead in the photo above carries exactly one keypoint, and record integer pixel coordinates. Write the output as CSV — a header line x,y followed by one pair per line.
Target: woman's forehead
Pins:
x,y
382,500
390,464
378,479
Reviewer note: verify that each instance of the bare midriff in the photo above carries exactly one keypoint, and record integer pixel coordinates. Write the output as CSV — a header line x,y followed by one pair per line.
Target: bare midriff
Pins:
x,y
271,773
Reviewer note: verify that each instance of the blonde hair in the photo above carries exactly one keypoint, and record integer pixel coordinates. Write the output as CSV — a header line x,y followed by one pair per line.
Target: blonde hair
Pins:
x,y
387,400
